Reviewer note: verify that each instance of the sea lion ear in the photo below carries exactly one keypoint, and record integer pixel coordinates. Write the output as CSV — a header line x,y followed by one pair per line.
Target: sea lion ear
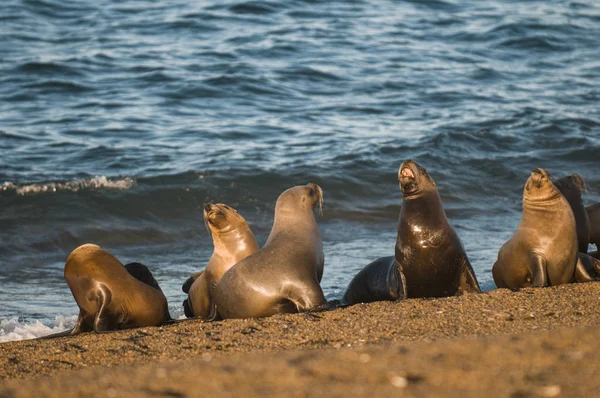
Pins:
x,y
579,181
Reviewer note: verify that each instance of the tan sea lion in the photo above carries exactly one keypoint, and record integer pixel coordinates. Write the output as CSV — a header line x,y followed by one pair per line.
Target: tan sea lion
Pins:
x,y
429,261
111,296
571,187
543,250
284,275
233,241
593,213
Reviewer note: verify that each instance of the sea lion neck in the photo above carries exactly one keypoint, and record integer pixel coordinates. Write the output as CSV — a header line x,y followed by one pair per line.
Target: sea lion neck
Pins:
x,y
426,194
425,207
544,199
289,216
238,237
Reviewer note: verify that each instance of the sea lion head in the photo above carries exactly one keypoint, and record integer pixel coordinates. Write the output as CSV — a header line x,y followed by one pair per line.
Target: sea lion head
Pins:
x,y
539,187
301,196
413,178
570,185
220,218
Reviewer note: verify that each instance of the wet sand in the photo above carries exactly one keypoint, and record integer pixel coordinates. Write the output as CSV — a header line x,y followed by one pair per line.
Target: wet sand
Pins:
x,y
536,342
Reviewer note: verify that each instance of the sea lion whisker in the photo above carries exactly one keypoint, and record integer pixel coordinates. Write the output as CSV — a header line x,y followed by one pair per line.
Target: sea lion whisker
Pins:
x,y
321,200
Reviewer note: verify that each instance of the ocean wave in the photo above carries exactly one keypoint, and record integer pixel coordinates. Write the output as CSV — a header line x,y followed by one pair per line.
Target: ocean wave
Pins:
x,y
14,330
98,182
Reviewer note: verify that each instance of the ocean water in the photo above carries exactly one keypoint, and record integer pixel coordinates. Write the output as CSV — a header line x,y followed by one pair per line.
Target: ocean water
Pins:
x,y
119,120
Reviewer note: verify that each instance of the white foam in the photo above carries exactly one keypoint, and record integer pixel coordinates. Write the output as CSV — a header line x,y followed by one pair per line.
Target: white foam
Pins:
x,y
98,182
13,330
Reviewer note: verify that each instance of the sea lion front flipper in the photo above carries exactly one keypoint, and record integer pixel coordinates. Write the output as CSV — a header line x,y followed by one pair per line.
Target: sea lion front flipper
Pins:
x,y
307,299
585,265
467,283
190,281
187,309
102,295
212,306
537,267
213,314
83,324
397,281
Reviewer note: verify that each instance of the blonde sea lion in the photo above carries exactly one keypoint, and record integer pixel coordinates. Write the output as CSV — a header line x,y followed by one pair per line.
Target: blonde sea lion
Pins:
x,y
233,241
284,275
571,187
429,261
543,250
111,296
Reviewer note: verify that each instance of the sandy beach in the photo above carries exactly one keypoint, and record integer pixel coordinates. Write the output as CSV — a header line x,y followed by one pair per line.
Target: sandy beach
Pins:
x,y
535,342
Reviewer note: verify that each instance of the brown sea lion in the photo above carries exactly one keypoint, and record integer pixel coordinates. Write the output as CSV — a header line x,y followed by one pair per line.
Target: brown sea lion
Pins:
x,y
233,241
543,250
429,261
284,275
593,213
111,296
571,187
380,280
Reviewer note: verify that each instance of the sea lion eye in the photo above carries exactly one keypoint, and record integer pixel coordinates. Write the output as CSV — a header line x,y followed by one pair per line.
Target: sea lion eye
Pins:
x,y
311,191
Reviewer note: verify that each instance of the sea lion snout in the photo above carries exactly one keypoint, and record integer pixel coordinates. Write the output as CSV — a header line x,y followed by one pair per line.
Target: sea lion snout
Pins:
x,y
407,177
538,176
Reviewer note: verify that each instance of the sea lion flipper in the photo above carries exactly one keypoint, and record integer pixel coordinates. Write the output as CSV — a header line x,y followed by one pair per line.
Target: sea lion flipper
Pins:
x,y
308,300
190,281
213,314
398,281
539,274
468,283
102,295
187,309
585,265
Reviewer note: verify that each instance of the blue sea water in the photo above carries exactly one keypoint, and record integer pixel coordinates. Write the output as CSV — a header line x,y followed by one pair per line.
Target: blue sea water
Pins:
x,y
120,119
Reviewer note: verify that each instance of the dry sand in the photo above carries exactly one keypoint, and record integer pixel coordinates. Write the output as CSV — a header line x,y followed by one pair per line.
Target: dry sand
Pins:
x,y
536,342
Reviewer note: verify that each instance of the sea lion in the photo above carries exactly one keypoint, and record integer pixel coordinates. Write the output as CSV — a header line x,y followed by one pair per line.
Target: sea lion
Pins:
x,y
378,281
233,241
429,260
284,275
108,296
593,213
571,187
543,250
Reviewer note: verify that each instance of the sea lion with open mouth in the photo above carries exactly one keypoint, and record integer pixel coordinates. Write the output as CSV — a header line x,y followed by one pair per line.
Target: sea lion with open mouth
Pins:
x,y
429,261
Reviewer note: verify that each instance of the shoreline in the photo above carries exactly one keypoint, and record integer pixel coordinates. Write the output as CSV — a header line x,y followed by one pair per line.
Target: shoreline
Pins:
x,y
500,318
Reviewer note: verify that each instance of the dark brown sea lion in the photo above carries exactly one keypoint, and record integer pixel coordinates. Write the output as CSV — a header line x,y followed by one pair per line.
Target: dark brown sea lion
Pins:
x,y
378,281
571,187
284,275
429,261
233,241
543,250
111,296
593,213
